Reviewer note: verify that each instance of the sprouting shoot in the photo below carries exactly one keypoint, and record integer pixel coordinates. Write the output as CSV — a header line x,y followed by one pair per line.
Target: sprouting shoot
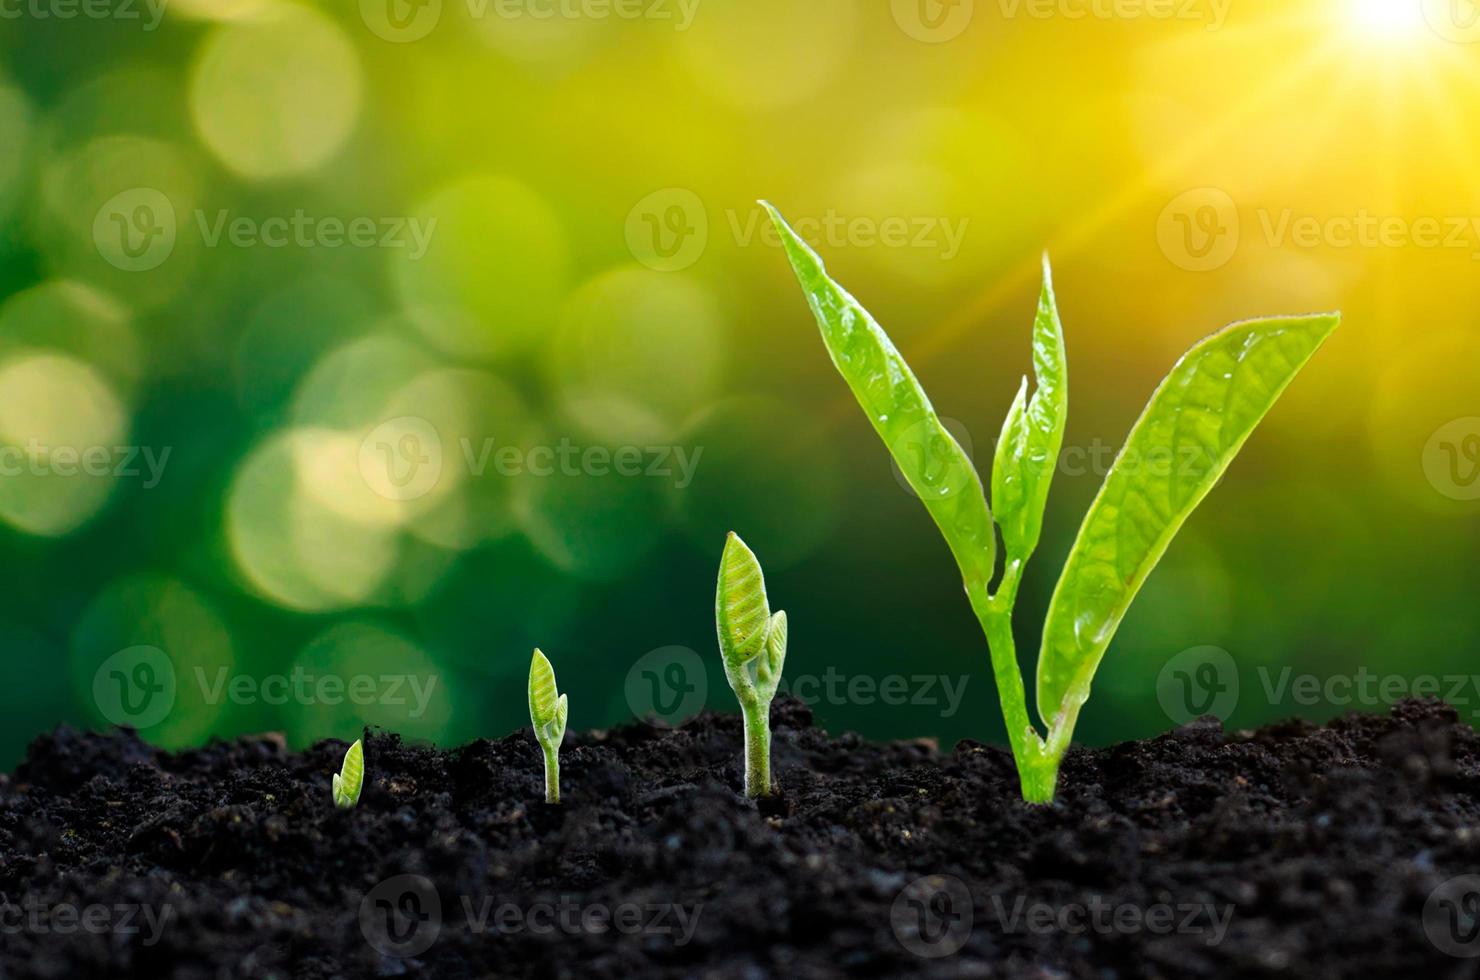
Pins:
x,y
547,712
752,642
350,777
1201,416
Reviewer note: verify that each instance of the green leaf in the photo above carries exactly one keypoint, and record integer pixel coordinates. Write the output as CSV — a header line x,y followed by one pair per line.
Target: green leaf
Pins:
x,y
544,705
932,462
741,612
1194,425
775,658
1028,451
350,778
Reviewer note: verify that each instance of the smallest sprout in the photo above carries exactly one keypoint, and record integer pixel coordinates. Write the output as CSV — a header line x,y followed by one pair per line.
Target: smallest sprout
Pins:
x,y
547,712
350,777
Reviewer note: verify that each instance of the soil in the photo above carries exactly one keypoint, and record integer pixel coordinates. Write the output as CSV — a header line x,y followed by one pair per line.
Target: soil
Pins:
x,y
1294,851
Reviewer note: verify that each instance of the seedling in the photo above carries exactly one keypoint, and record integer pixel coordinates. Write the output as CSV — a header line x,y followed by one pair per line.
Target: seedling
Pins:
x,y
752,642
547,713
350,777
1198,418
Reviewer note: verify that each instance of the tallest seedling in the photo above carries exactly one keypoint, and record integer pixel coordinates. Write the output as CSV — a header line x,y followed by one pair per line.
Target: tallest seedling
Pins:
x,y
1194,425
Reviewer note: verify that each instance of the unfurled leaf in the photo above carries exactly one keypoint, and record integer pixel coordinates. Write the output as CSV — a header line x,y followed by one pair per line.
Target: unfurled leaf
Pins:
x,y
1193,427
1028,451
350,778
741,612
933,463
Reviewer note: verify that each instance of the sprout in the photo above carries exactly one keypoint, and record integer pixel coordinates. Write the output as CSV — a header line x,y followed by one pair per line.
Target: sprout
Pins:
x,y
547,713
350,777
1208,406
753,644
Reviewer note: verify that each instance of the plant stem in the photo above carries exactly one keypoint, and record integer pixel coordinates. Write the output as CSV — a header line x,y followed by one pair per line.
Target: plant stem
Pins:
x,y
1037,760
757,749
552,774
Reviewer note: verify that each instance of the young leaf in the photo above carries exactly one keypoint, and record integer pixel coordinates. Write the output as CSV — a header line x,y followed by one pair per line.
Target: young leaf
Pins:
x,y
776,631
932,461
741,612
1033,434
350,778
544,705
1194,425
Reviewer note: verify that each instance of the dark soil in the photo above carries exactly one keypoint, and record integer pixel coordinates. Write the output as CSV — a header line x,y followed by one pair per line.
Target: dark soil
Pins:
x,y
1316,848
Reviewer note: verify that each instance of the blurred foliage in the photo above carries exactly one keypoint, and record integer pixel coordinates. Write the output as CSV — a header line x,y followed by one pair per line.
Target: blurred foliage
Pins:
x,y
341,343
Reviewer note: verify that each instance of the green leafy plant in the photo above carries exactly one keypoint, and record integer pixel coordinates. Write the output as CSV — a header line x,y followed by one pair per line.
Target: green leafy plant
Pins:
x,y
547,712
752,642
350,777
1199,417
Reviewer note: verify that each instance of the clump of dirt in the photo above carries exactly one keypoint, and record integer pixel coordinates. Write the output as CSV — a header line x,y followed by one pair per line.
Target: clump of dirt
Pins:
x,y
1295,851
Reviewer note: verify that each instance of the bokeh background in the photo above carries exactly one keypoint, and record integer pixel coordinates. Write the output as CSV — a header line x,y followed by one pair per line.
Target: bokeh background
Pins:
x,y
279,282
